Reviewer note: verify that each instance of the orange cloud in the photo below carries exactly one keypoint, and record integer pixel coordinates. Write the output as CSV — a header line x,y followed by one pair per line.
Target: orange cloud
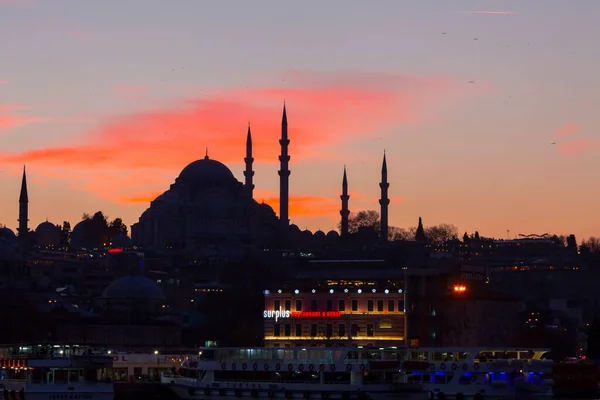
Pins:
x,y
491,12
568,129
300,206
11,117
322,109
575,147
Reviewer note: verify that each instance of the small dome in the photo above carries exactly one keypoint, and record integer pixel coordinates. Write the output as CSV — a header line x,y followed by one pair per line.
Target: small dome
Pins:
x,y
333,234
83,236
204,170
133,287
46,227
121,240
319,234
294,228
7,234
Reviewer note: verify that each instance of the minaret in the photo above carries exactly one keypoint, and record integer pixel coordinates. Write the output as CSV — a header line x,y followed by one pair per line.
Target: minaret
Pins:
x,y
344,212
384,201
248,173
23,207
284,172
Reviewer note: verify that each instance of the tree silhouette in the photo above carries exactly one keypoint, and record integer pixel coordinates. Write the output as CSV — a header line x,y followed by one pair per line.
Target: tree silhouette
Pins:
x,y
116,227
466,238
101,231
476,236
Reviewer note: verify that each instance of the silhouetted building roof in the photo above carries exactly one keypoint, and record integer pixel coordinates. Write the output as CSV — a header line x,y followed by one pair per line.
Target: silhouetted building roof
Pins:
x,y
133,287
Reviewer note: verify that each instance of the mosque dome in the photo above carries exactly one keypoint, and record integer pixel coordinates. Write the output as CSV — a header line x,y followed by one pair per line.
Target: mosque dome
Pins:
x,y
319,234
7,234
121,240
133,287
206,170
46,227
83,236
333,234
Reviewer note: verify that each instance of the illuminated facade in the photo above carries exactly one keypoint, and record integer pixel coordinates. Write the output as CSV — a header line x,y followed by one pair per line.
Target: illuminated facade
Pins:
x,y
335,314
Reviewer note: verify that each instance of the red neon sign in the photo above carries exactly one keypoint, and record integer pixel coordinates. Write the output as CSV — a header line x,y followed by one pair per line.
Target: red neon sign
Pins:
x,y
319,314
115,250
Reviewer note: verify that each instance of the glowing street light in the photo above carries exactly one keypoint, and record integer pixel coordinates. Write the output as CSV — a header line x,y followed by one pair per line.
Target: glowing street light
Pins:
x,y
459,289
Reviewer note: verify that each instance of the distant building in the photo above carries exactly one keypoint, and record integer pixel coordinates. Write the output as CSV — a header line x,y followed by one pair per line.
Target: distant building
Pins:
x,y
337,303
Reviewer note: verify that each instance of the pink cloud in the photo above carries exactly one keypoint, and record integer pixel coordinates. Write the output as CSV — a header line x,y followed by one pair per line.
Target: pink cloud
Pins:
x,y
322,109
2,82
568,129
11,116
575,147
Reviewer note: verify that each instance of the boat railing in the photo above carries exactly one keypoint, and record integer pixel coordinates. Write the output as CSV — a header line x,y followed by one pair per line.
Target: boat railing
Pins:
x,y
251,361
196,382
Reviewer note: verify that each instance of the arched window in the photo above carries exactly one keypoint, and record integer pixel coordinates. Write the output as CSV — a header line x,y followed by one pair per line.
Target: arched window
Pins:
x,y
385,324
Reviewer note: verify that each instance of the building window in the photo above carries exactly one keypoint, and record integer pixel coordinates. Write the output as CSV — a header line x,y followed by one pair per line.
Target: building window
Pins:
x,y
391,305
369,305
385,324
277,304
355,305
298,305
287,330
298,330
329,330
401,306
277,330
288,305
342,305
341,330
370,330
354,330
313,305
380,305
329,305
313,330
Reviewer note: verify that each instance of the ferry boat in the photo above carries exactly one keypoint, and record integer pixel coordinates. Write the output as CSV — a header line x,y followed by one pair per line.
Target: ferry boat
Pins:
x,y
478,373
53,372
341,373
432,373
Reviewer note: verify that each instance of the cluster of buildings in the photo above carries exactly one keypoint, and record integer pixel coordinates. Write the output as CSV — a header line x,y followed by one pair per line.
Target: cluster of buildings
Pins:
x,y
206,263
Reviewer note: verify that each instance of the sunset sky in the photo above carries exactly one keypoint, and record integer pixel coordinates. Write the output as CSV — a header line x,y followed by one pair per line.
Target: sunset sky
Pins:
x,y
106,102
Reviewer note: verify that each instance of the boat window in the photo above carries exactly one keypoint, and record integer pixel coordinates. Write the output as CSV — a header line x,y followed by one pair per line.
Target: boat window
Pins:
x,y
465,379
206,355
290,354
279,354
352,355
426,378
442,356
462,355
390,355
73,375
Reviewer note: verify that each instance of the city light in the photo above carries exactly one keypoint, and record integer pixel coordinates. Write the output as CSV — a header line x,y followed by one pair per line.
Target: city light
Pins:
x,y
459,289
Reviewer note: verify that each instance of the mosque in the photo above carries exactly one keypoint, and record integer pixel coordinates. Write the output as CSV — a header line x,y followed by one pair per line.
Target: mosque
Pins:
x,y
206,211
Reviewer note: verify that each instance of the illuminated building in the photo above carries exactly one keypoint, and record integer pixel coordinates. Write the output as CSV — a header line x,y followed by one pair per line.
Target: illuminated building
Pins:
x,y
335,312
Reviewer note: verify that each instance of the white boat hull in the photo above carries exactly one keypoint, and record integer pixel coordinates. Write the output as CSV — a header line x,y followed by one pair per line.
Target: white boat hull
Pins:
x,y
190,391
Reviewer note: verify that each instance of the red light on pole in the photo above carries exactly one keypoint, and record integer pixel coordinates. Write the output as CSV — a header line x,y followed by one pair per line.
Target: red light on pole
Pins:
x,y
459,288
